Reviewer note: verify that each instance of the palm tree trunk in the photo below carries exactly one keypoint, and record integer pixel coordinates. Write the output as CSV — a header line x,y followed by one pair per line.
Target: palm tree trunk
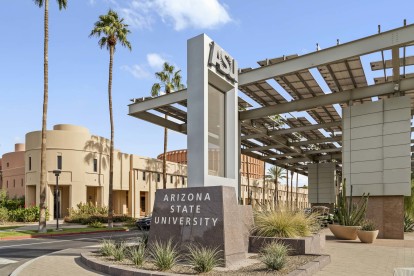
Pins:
x,y
291,189
287,188
43,172
249,199
277,191
111,153
264,184
164,158
297,180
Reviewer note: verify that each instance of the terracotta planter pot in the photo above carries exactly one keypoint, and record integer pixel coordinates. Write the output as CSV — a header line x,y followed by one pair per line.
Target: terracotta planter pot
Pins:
x,y
367,236
344,232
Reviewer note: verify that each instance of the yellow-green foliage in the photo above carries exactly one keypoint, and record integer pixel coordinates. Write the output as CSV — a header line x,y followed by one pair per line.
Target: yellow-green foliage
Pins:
x,y
284,224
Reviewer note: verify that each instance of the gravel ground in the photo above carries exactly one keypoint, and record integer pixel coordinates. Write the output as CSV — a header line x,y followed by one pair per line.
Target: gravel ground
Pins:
x,y
253,267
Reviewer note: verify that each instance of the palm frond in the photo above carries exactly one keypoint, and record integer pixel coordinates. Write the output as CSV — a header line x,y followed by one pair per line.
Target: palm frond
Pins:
x,y
112,29
155,90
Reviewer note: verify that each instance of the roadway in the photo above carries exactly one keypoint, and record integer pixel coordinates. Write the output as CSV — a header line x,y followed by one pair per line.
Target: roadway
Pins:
x,y
15,253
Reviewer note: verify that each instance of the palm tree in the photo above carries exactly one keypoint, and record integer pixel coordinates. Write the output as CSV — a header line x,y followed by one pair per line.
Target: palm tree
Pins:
x,y
170,80
276,173
113,30
43,173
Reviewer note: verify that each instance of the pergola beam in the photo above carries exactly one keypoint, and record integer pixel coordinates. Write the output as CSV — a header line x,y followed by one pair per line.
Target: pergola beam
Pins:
x,y
303,128
374,43
304,152
156,102
262,148
328,99
317,141
157,120
317,158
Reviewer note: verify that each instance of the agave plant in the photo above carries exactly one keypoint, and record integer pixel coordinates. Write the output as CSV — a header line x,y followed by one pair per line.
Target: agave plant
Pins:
x,y
349,213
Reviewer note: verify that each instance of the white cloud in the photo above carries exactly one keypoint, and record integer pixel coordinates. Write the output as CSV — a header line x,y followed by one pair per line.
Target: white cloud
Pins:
x,y
138,71
183,14
155,61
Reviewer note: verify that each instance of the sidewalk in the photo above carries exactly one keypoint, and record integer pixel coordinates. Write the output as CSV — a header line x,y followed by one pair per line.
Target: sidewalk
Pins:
x,y
51,224
347,258
380,258
61,263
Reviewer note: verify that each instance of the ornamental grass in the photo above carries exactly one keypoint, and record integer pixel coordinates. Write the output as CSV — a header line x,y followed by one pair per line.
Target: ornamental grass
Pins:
x,y
274,255
164,255
284,224
202,258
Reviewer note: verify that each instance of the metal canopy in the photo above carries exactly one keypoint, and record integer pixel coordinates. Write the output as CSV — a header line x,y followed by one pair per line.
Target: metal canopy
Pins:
x,y
315,136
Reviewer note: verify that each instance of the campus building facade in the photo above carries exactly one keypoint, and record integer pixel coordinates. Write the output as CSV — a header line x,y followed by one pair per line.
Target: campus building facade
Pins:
x,y
83,159
12,177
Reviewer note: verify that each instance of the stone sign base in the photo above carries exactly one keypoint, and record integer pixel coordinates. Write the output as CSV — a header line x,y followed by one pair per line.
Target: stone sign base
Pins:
x,y
206,216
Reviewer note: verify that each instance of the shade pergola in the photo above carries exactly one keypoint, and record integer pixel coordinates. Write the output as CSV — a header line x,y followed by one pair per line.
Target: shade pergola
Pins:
x,y
311,84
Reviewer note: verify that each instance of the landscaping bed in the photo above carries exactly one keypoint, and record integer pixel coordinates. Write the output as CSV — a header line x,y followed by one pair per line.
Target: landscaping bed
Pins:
x,y
299,262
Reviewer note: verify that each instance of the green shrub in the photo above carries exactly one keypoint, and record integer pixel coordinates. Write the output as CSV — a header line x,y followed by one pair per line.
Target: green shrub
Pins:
x,y
274,255
203,259
30,214
107,248
96,224
4,215
284,223
86,219
368,225
137,254
408,223
119,252
164,255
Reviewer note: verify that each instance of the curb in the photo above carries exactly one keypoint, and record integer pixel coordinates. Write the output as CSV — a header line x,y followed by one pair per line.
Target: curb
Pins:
x,y
119,270
59,235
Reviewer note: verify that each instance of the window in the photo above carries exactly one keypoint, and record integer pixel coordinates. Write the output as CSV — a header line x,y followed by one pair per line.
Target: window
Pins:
x,y
7,182
143,176
30,163
22,182
183,180
158,177
171,179
7,164
95,165
59,162
14,183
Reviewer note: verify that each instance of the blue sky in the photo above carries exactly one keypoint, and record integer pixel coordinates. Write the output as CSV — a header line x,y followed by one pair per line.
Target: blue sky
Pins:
x,y
78,68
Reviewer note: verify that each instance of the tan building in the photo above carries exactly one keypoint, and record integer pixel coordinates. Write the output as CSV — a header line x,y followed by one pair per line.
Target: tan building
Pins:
x,y
12,172
249,165
84,163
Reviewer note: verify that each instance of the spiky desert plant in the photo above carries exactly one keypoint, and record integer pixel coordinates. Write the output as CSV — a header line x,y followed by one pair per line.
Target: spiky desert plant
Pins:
x,y
273,255
107,247
137,254
349,213
164,255
408,223
119,252
203,258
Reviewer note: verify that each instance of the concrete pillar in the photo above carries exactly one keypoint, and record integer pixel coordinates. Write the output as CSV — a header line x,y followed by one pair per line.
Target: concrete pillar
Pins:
x,y
377,159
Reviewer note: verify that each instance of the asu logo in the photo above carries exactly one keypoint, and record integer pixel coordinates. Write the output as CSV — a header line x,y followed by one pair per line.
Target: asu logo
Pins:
x,y
224,63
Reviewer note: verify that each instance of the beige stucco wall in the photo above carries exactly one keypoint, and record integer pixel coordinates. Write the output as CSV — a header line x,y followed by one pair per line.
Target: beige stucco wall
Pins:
x,y
13,172
133,194
78,149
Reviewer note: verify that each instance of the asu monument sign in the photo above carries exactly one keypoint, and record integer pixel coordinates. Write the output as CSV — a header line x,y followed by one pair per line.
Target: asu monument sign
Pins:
x,y
207,212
